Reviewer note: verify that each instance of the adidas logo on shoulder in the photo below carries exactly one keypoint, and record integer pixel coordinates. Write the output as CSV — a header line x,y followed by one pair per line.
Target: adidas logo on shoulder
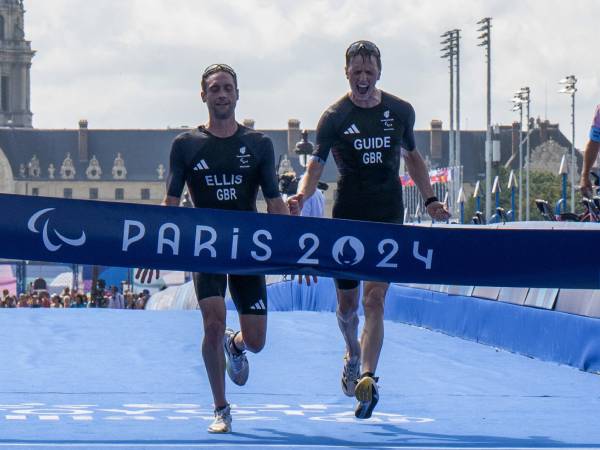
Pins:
x,y
259,306
352,129
201,166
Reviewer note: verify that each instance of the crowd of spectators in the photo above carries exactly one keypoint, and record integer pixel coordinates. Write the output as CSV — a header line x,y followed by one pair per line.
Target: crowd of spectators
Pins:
x,y
110,298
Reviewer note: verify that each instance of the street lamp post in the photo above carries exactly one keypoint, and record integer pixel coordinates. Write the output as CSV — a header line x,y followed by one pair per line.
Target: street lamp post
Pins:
x,y
518,106
457,155
569,88
525,95
486,41
449,52
523,98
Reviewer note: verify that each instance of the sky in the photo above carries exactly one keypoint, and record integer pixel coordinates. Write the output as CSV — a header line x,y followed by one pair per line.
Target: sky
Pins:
x,y
137,63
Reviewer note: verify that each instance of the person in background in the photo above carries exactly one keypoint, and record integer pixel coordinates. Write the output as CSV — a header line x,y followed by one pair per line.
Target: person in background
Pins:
x,y
314,206
34,301
129,300
45,299
589,156
56,302
116,300
23,301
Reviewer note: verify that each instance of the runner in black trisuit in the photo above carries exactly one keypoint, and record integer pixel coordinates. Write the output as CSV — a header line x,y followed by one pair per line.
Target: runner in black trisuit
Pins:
x,y
367,131
365,143
223,173
223,165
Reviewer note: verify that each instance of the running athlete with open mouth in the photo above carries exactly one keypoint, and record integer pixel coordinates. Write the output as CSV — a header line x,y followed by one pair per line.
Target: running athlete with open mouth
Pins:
x,y
367,131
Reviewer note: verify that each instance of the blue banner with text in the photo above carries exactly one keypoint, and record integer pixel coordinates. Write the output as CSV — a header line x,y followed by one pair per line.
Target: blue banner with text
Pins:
x,y
220,241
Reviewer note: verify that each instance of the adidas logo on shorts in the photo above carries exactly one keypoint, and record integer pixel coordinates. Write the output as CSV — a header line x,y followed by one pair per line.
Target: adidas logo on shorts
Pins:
x,y
352,129
259,306
201,166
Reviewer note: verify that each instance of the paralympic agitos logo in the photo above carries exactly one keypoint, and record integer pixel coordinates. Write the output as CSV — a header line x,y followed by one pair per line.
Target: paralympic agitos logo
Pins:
x,y
46,239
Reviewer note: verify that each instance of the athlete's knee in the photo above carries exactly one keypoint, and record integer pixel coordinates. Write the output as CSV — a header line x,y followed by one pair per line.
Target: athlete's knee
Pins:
x,y
346,311
214,330
254,342
373,303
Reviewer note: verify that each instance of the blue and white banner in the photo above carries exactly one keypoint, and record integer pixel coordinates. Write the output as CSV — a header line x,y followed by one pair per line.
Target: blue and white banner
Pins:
x,y
204,240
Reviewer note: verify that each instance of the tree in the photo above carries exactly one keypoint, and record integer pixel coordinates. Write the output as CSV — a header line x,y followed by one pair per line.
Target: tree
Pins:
x,y
543,185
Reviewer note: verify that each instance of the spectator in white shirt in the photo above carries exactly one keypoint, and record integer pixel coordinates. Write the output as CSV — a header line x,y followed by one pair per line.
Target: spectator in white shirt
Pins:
x,y
116,301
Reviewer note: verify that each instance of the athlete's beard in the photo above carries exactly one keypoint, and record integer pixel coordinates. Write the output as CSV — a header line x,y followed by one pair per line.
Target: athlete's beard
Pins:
x,y
221,114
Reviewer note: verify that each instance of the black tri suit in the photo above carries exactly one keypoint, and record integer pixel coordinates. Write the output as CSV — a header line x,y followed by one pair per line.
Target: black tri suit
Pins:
x,y
225,173
366,144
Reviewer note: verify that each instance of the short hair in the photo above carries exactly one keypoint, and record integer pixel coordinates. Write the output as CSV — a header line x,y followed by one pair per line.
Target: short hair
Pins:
x,y
364,49
214,68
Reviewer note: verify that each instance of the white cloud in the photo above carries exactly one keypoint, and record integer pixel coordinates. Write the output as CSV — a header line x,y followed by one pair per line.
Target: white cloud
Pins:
x,y
136,63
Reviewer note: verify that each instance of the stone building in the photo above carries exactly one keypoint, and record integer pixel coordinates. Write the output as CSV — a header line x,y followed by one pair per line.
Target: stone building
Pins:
x,y
15,65
547,157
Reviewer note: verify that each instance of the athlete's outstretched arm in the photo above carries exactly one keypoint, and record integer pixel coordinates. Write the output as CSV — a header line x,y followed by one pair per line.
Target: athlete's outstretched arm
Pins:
x,y
418,172
307,186
169,200
589,158
277,206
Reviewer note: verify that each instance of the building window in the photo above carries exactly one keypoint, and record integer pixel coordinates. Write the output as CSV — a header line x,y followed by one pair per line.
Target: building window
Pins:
x,y
68,193
93,193
2,28
4,102
35,192
145,194
119,194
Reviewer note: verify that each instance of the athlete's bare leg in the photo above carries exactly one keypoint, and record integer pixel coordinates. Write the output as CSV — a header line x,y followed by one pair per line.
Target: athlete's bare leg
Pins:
x,y
371,340
213,317
347,317
253,333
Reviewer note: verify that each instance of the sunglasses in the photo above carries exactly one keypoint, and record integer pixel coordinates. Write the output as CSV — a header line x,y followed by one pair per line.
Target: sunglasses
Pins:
x,y
358,46
213,68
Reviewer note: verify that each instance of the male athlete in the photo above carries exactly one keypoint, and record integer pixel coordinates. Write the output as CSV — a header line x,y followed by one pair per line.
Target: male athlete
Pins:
x,y
590,154
223,163
366,130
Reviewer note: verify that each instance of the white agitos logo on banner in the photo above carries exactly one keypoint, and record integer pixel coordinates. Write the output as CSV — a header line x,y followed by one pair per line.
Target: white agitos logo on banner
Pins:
x,y
50,246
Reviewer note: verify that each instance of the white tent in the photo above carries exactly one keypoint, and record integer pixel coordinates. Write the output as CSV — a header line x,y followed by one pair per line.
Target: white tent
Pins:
x,y
64,279
174,297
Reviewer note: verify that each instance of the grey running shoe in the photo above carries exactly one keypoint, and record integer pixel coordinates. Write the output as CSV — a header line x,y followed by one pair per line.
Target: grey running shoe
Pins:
x,y
350,374
367,394
222,422
237,363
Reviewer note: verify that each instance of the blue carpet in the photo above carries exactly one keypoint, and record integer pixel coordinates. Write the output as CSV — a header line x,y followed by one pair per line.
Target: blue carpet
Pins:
x,y
135,379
